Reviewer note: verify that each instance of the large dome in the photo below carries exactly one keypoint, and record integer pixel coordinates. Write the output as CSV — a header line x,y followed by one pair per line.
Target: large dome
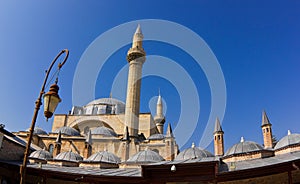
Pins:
x,y
146,156
104,156
110,101
244,147
104,131
67,131
100,106
288,140
68,156
38,131
193,153
40,154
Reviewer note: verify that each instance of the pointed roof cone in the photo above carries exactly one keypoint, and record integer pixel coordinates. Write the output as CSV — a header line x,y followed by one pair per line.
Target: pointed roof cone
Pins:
x,y
218,127
126,134
159,101
169,132
138,30
58,139
88,139
265,119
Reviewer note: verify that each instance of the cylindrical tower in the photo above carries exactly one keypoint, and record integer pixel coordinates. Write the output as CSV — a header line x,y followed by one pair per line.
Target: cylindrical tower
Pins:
x,y
159,118
136,58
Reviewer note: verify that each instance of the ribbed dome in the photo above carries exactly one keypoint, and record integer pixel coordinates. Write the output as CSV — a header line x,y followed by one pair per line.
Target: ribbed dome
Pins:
x,y
110,101
104,156
40,154
244,147
67,131
156,137
38,131
193,153
146,156
104,131
68,156
288,140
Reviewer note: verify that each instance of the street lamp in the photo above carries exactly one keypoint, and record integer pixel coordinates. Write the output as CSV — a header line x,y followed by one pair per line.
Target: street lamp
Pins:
x,y
51,100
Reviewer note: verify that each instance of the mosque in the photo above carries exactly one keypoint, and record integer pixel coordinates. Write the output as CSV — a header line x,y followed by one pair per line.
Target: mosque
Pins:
x,y
109,141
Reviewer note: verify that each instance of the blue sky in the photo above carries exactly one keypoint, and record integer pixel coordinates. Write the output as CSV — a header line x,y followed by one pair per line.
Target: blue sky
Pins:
x,y
256,43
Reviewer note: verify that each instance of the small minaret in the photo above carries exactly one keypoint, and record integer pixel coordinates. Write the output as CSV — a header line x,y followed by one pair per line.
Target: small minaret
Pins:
x,y
266,127
88,145
170,144
136,58
159,118
169,132
218,139
57,147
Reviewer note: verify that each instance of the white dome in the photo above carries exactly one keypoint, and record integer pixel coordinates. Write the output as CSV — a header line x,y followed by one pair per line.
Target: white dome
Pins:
x,y
100,106
40,154
104,131
67,131
69,156
104,156
146,156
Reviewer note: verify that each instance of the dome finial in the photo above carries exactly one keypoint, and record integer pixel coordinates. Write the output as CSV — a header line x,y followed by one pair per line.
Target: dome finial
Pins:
x,y
242,139
289,132
193,145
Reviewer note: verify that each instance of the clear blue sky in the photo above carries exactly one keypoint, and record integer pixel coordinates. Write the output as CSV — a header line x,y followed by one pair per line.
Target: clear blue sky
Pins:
x,y
256,43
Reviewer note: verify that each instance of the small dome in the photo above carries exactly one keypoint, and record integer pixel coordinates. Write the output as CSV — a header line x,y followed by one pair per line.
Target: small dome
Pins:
x,y
40,154
156,137
244,147
146,156
104,156
193,153
38,131
288,140
104,131
68,156
67,131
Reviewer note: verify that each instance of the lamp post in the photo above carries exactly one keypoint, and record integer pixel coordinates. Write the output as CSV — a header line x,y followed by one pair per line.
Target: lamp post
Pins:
x,y
51,100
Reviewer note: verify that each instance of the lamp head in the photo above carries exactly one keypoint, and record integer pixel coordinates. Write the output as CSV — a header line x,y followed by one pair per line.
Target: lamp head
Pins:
x,y
51,100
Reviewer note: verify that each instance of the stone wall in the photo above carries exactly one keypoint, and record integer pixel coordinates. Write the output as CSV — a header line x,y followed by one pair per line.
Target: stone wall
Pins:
x,y
11,151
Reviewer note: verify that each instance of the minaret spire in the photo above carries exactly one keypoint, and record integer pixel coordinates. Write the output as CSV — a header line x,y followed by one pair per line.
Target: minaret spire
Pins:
x,y
218,139
169,132
136,58
159,118
266,127
57,146
88,145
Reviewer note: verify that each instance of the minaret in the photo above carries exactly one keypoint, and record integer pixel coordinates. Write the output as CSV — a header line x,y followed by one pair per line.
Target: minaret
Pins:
x,y
57,147
266,127
88,145
218,139
159,118
170,144
136,58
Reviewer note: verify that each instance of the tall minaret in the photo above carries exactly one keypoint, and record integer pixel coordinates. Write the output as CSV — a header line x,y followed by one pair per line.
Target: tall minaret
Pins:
x,y
218,139
136,58
159,118
266,127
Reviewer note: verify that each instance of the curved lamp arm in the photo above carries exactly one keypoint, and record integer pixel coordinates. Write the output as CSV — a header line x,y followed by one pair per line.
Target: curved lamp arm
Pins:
x,y
38,103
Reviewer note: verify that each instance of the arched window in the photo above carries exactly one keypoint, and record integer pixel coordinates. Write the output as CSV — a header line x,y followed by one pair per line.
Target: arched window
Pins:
x,y
50,149
156,150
